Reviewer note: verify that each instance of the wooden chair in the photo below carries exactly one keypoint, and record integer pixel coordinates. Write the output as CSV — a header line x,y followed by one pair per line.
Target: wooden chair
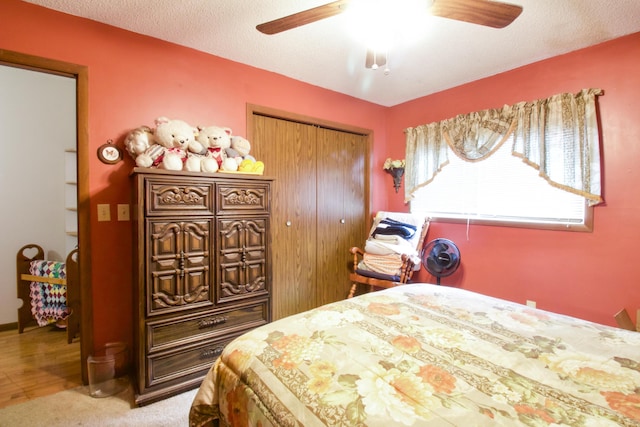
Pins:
x,y
410,262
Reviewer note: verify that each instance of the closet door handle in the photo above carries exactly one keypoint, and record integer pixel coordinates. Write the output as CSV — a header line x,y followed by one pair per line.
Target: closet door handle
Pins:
x,y
288,223
342,221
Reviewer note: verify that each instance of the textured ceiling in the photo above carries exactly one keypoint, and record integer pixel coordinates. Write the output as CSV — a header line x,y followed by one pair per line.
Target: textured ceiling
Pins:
x,y
325,54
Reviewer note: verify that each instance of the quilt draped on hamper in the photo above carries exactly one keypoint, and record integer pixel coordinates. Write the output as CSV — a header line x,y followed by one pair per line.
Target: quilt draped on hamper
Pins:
x,y
48,300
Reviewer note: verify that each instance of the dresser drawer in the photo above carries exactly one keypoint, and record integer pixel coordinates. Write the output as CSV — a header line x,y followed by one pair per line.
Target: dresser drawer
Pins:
x,y
184,330
168,196
186,362
237,198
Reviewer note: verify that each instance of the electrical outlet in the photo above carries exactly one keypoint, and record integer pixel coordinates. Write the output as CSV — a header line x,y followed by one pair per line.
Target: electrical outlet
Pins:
x,y
123,212
104,212
531,303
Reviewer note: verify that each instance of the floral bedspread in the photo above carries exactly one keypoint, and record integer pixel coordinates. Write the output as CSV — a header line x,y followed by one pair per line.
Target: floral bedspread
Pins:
x,y
423,355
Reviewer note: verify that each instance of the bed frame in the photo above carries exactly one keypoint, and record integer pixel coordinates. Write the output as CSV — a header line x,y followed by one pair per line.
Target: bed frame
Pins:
x,y
24,278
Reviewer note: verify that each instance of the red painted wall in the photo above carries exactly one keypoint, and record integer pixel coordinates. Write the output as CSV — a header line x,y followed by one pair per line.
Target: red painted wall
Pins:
x,y
133,79
587,275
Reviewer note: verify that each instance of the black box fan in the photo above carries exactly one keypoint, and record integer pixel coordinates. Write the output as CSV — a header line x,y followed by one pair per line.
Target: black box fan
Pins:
x,y
441,258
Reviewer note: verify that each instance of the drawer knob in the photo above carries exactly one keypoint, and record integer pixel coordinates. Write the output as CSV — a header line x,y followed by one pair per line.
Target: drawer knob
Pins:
x,y
211,352
213,321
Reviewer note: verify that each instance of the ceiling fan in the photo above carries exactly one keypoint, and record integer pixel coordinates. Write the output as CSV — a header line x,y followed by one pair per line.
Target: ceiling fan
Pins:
x,y
482,12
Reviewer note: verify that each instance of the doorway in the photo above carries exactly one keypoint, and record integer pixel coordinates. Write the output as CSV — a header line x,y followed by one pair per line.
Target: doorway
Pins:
x,y
80,74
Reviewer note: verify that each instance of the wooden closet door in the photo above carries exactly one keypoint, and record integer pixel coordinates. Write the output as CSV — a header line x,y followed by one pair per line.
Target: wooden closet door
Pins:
x,y
341,209
288,150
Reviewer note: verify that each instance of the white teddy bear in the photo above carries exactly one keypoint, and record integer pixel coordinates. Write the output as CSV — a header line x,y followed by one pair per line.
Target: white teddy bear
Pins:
x,y
177,137
214,140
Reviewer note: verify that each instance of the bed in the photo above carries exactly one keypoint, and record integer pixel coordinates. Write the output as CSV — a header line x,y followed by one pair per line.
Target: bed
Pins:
x,y
424,355
49,290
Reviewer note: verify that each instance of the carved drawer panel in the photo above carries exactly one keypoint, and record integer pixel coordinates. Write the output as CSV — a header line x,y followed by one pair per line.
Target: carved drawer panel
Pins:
x,y
178,265
240,198
185,362
181,331
242,254
183,196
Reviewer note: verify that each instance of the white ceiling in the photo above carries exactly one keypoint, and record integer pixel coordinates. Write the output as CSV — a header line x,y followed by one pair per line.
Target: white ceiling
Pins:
x,y
326,55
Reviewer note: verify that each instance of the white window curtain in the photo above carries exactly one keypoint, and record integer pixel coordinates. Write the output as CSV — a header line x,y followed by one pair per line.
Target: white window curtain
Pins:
x,y
558,136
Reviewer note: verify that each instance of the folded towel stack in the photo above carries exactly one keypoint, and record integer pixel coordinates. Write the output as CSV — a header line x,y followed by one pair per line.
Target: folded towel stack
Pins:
x,y
389,240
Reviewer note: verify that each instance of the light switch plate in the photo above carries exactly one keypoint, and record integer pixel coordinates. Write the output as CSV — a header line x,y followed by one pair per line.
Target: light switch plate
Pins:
x,y
104,212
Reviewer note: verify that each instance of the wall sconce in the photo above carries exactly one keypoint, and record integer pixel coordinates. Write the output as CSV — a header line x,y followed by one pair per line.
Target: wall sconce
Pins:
x,y
396,169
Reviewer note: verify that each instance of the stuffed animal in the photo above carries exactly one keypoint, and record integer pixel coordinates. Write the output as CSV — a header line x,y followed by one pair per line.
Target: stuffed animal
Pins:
x,y
200,163
249,164
238,148
176,145
229,164
138,143
240,145
214,140
177,137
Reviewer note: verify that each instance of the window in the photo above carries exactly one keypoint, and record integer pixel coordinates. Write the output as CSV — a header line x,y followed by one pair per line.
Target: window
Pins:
x,y
532,164
500,190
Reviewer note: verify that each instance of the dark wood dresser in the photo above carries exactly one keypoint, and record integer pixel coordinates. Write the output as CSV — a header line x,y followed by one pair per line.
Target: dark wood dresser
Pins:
x,y
202,273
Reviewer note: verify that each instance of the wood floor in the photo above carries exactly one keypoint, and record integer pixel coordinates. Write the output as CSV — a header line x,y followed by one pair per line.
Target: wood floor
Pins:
x,y
37,363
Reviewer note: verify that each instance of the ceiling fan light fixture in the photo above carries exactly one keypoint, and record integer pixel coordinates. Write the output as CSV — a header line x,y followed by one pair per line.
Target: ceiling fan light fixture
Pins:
x,y
376,59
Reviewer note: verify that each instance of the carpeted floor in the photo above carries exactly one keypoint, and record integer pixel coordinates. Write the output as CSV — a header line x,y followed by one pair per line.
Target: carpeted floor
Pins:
x,y
76,407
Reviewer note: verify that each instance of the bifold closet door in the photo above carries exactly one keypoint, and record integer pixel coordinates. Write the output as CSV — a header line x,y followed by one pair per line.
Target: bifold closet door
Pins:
x,y
340,211
319,209
288,150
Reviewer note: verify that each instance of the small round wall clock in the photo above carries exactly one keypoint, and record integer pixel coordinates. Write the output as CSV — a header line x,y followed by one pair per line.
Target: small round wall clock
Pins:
x,y
109,153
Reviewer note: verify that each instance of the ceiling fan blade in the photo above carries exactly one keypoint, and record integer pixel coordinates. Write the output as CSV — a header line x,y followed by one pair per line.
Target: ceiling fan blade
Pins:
x,y
482,12
303,18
